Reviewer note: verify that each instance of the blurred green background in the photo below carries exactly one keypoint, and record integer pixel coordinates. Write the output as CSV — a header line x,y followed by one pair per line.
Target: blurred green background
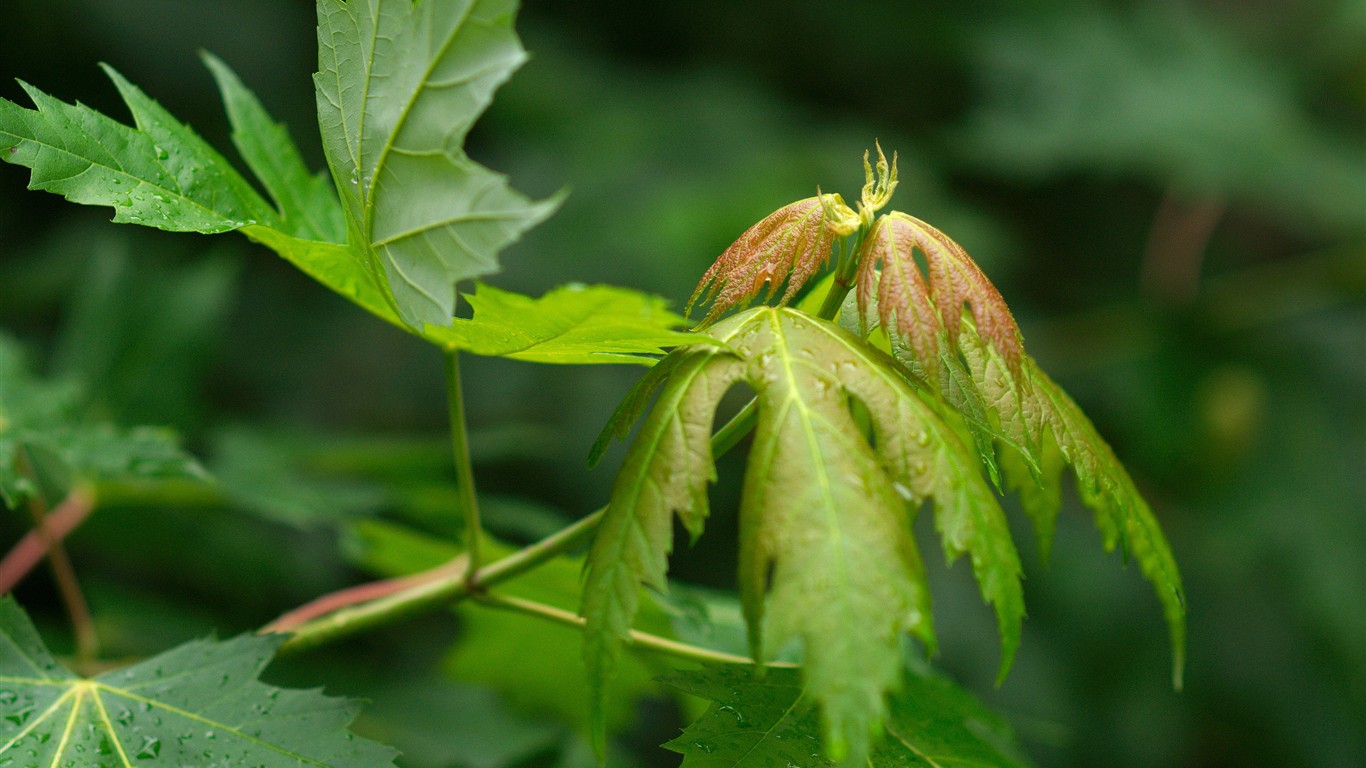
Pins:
x,y
1171,196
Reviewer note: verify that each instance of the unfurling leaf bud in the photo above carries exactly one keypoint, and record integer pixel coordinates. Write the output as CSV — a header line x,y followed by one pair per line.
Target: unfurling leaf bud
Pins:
x,y
876,192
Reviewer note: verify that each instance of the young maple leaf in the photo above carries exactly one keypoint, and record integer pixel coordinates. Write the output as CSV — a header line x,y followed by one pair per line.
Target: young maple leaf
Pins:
x,y
789,244
951,321
918,312
827,554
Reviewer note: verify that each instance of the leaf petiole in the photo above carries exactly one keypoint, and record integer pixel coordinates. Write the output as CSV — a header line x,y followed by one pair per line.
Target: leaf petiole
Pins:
x,y
464,472
845,271
635,638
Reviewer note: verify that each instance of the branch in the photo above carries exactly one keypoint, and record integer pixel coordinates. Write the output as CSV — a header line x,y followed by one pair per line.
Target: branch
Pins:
x,y
56,526
63,572
441,586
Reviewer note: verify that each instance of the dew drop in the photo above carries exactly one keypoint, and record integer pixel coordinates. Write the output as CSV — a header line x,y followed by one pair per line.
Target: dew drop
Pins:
x,y
740,721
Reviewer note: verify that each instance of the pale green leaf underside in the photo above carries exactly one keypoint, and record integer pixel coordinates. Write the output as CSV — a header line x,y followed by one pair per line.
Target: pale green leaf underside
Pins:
x,y
198,704
1042,430
762,722
398,86
571,324
826,553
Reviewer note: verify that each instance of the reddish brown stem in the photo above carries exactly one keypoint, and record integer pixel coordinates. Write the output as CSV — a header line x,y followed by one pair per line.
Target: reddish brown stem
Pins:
x,y
63,572
57,525
361,593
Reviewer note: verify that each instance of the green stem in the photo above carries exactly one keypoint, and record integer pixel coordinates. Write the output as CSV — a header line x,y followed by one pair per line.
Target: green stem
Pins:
x,y
728,436
443,585
464,473
845,271
635,638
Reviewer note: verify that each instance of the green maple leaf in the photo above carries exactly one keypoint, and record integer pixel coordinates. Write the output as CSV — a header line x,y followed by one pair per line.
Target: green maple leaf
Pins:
x,y
399,84
571,324
159,173
758,722
41,426
826,553
197,704
394,116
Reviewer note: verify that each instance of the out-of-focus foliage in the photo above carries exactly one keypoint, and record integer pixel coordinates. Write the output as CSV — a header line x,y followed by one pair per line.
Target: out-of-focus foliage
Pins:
x,y
1168,196
754,722
46,444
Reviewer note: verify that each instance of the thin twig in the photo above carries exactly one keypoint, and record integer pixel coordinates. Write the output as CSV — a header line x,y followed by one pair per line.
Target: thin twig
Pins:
x,y
464,471
635,638
439,587
361,593
68,586
33,547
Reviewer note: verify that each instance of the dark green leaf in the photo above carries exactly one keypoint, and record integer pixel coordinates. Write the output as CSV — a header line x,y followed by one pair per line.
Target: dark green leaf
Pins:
x,y
197,704
270,475
766,722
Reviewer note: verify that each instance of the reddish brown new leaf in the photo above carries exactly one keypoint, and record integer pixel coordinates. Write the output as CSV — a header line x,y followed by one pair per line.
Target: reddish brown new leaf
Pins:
x,y
918,311
897,292
955,279
789,244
